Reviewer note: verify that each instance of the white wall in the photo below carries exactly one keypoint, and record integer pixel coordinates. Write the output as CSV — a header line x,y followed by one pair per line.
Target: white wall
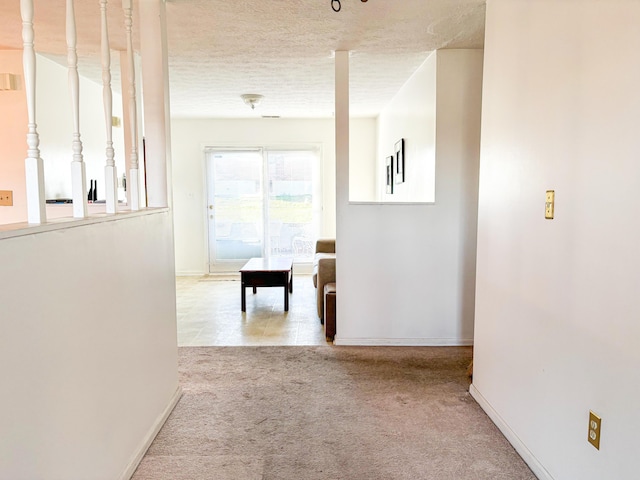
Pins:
x,y
363,164
557,314
190,136
88,355
410,115
55,126
405,272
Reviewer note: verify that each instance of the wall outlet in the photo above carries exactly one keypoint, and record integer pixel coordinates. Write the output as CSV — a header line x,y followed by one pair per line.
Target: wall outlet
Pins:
x,y
595,425
6,198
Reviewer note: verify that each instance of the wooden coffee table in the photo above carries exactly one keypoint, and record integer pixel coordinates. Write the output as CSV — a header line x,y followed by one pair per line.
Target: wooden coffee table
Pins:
x,y
267,272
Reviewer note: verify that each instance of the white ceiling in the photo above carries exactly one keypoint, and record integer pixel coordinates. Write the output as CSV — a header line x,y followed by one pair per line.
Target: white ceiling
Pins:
x,y
282,49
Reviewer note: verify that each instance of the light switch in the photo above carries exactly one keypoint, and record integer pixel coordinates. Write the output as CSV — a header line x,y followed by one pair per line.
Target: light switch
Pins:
x,y
549,204
6,198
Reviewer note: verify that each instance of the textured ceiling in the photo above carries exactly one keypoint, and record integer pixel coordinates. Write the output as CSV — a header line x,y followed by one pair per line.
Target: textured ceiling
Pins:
x,y
281,49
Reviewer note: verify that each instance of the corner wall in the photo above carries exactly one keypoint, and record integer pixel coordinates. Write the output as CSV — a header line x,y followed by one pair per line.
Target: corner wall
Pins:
x,y
411,115
405,272
557,313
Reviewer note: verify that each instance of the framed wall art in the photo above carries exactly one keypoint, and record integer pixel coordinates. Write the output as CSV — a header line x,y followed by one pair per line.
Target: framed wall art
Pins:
x,y
390,174
399,162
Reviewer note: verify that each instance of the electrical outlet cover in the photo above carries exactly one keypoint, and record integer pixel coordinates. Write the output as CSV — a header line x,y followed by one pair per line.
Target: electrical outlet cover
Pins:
x,y
595,426
6,198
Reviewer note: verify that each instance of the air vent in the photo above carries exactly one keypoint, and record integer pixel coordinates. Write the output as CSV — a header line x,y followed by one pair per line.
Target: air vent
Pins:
x,y
270,116
8,81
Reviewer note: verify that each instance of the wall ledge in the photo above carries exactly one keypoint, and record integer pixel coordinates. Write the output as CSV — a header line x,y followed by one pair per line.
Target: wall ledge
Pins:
x,y
14,230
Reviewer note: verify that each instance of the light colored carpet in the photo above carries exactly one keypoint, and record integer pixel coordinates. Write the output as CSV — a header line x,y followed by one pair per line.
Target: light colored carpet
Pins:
x,y
311,413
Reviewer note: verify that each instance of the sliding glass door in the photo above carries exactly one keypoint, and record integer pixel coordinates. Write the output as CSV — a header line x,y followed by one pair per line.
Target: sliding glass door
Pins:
x,y
262,202
236,220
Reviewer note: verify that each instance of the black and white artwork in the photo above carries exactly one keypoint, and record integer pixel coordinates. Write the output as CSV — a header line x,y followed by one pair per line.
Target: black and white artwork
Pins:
x,y
399,162
390,175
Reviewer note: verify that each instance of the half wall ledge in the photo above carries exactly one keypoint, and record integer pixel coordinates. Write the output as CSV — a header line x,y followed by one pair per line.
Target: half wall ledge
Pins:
x,y
13,230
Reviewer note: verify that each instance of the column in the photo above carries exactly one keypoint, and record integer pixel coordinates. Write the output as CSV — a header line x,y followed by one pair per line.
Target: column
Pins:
x,y
342,161
155,80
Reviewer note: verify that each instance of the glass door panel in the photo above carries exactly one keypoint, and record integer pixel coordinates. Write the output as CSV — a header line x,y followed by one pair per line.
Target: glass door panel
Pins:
x,y
236,205
291,207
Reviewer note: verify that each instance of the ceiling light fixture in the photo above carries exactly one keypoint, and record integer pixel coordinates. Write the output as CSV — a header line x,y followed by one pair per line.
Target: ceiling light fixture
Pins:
x,y
337,6
251,99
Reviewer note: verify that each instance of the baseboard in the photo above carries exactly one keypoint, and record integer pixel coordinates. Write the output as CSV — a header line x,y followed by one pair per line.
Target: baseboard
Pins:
x,y
137,458
511,436
298,269
404,342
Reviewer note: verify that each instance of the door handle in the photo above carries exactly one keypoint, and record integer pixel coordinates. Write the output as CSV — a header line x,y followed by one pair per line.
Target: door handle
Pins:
x,y
210,207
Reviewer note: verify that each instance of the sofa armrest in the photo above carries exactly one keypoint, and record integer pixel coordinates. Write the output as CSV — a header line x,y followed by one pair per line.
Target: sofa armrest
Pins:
x,y
326,274
326,245
326,271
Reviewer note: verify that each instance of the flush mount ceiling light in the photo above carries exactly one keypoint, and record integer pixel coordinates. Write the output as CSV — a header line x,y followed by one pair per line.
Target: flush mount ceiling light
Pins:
x,y
335,4
251,99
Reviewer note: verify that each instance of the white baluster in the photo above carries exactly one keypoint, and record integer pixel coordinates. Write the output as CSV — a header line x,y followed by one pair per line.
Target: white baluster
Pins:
x,y
111,188
133,180
34,167
78,175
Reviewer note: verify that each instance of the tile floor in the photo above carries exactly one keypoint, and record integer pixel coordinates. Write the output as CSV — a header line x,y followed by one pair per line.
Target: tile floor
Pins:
x,y
209,313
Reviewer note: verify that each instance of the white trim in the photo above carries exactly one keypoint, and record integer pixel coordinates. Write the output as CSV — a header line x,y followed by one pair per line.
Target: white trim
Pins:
x,y
139,455
404,342
358,202
315,149
207,147
511,436
302,270
193,273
